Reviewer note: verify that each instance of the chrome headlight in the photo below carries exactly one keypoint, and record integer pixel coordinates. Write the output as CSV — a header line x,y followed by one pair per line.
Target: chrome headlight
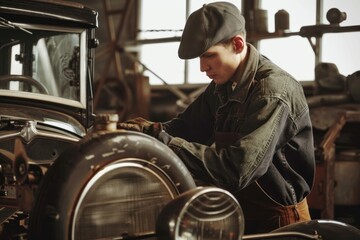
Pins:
x,y
123,198
202,213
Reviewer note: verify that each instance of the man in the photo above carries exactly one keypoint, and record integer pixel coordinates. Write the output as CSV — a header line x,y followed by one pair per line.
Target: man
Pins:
x,y
254,112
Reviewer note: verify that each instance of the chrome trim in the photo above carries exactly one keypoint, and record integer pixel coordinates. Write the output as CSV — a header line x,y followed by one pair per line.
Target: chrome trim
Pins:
x,y
29,132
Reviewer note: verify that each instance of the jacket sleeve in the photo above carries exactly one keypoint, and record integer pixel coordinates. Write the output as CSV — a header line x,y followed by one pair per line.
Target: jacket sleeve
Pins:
x,y
196,123
266,127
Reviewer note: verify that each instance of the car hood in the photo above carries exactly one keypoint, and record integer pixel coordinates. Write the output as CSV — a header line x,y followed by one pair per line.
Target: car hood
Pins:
x,y
43,117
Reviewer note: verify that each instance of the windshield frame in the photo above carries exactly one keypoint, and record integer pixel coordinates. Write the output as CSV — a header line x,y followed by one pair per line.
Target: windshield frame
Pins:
x,y
82,103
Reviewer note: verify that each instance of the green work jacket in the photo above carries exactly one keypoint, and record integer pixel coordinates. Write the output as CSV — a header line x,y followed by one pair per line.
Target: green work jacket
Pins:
x,y
267,112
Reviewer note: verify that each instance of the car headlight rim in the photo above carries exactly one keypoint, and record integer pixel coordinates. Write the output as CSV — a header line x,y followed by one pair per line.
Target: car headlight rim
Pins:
x,y
130,164
176,220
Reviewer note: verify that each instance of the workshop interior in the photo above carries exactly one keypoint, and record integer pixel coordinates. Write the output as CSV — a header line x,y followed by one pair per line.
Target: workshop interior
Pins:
x,y
70,70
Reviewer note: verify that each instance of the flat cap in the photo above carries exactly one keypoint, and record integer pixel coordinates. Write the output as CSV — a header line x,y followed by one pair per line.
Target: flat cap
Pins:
x,y
209,25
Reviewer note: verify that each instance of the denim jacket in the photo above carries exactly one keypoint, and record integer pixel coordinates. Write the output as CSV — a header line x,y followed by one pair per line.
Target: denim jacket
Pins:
x,y
268,113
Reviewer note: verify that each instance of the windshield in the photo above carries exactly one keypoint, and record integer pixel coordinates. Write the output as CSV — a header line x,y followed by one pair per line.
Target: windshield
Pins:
x,y
39,62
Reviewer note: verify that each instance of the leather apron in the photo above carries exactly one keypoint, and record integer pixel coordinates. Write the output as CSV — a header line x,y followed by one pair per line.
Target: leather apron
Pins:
x,y
262,213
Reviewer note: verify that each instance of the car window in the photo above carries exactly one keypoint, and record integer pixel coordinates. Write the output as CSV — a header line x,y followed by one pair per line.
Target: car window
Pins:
x,y
44,62
56,64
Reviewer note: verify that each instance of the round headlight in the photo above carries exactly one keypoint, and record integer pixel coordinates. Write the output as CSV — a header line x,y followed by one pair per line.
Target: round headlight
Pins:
x,y
202,213
123,198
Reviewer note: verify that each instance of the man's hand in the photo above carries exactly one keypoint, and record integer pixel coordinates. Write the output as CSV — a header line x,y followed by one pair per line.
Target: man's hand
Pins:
x,y
142,125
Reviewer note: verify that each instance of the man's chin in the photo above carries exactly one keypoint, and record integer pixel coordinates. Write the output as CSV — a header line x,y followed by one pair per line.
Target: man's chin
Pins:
x,y
218,81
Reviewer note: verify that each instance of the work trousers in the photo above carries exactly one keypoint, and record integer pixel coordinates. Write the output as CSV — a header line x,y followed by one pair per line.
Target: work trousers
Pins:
x,y
262,214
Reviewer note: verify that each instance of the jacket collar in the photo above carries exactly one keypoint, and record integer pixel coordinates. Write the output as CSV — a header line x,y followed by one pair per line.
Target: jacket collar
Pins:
x,y
243,83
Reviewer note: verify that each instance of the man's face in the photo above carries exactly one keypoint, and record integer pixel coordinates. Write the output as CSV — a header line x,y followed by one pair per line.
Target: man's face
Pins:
x,y
219,63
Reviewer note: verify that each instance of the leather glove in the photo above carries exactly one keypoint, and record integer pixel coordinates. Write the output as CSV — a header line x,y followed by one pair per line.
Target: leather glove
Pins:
x,y
140,124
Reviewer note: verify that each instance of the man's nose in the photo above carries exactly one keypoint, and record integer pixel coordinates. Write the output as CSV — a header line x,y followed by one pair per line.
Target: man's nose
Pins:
x,y
204,66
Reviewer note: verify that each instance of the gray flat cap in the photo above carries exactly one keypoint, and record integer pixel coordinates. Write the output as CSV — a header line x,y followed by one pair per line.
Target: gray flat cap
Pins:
x,y
209,25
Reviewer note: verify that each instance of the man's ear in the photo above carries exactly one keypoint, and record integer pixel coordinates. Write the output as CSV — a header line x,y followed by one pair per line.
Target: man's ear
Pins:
x,y
238,43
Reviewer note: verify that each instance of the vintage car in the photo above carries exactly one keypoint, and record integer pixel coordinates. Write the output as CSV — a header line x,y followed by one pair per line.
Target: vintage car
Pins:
x,y
66,173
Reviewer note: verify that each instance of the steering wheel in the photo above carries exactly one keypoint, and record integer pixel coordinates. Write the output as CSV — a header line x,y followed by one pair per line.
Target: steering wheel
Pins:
x,y
25,79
